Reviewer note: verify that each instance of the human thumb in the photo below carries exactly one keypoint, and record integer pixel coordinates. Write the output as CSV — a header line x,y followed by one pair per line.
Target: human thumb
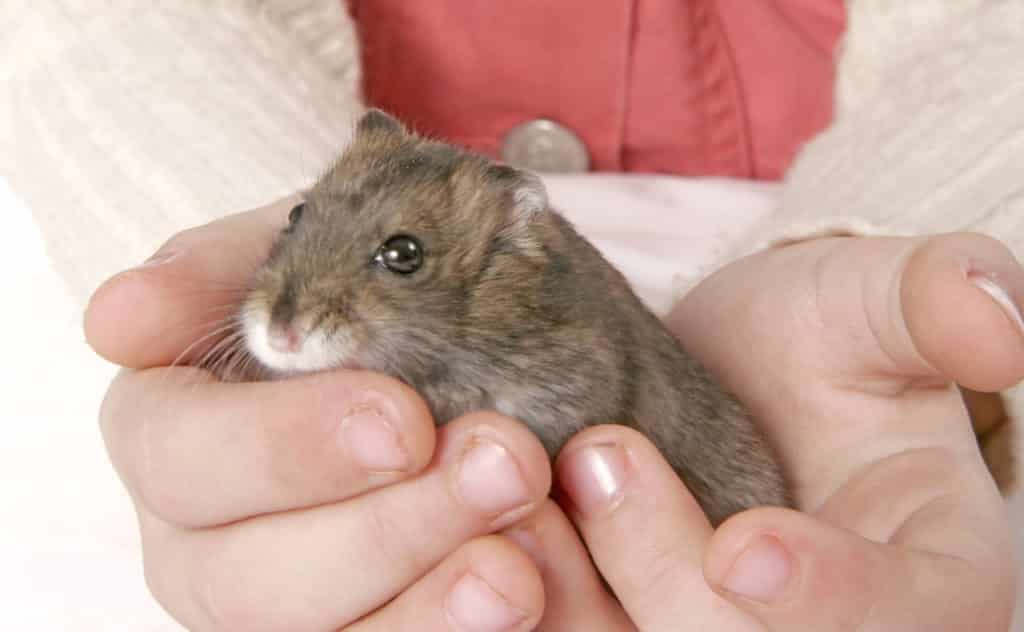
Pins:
x,y
794,572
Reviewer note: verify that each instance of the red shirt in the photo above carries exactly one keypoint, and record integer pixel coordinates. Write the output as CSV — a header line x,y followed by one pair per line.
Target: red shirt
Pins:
x,y
688,87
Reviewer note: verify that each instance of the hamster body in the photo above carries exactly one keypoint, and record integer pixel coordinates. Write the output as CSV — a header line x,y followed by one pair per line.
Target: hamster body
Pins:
x,y
447,271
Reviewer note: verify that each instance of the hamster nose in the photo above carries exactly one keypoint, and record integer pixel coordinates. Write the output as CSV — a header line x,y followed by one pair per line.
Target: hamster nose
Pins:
x,y
285,338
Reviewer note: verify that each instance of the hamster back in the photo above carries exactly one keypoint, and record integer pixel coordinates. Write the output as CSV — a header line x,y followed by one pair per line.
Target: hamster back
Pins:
x,y
447,271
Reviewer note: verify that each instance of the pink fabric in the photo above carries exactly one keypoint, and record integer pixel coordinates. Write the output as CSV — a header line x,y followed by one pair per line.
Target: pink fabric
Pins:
x,y
688,87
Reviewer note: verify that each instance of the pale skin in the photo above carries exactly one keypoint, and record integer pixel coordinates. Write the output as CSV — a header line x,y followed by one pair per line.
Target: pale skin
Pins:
x,y
332,502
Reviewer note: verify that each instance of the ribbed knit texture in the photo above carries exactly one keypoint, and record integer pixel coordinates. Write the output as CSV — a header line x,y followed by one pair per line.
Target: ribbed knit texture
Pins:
x,y
929,131
124,122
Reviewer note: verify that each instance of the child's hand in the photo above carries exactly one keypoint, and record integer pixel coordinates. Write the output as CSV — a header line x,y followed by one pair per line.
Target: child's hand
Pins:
x,y
845,349
255,514
304,504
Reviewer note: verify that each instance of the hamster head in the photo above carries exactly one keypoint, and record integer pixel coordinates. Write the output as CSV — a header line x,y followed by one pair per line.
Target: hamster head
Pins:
x,y
389,264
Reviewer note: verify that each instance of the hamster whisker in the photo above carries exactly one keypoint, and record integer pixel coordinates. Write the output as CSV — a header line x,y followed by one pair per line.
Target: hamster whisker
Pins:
x,y
217,363
229,306
237,363
250,367
226,328
221,313
214,358
232,350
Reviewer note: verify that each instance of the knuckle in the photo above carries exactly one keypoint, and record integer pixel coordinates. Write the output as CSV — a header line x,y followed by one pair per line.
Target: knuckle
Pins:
x,y
220,594
164,592
164,499
496,556
128,435
386,536
160,485
305,459
162,567
112,422
663,570
159,585
146,466
155,578
153,486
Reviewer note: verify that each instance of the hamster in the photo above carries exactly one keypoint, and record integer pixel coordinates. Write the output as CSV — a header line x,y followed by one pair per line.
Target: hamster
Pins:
x,y
448,271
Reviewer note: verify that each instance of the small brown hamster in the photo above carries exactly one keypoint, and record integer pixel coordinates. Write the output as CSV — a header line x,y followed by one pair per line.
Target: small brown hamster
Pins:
x,y
448,271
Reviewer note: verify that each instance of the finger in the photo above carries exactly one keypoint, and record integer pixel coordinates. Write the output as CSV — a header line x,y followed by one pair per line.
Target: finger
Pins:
x,y
795,573
884,314
644,530
574,595
197,452
487,585
153,314
962,296
325,567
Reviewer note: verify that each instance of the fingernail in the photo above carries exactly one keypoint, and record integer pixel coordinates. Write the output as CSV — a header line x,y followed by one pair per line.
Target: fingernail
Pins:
x,y
372,441
160,258
761,572
1001,297
490,480
476,607
594,477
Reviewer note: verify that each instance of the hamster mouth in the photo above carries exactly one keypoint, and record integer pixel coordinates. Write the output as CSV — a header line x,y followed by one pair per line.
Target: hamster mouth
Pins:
x,y
313,352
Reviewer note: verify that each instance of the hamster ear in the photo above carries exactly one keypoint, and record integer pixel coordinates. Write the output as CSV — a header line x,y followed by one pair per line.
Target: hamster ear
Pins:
x,y
529,201
375,120
529,198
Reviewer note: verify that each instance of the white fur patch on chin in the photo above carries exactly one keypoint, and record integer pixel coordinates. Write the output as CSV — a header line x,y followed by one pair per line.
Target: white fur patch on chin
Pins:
x,y
318,351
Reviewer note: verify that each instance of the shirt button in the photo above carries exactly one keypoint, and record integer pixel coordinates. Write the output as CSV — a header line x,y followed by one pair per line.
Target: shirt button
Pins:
x,y
544,145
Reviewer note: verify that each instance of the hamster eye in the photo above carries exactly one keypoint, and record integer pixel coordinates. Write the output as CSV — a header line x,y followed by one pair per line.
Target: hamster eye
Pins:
x,y
401,254
295,214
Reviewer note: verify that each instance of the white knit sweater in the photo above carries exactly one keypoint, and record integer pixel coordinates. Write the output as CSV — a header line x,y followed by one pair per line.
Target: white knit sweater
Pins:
x,y
929,128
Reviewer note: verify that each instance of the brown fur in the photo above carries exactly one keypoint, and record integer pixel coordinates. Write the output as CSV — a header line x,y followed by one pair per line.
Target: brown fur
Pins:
x,y
512,310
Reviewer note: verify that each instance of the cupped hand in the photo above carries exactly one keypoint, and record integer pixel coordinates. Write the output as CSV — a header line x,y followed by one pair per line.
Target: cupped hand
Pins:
x,y
846,351
318,503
